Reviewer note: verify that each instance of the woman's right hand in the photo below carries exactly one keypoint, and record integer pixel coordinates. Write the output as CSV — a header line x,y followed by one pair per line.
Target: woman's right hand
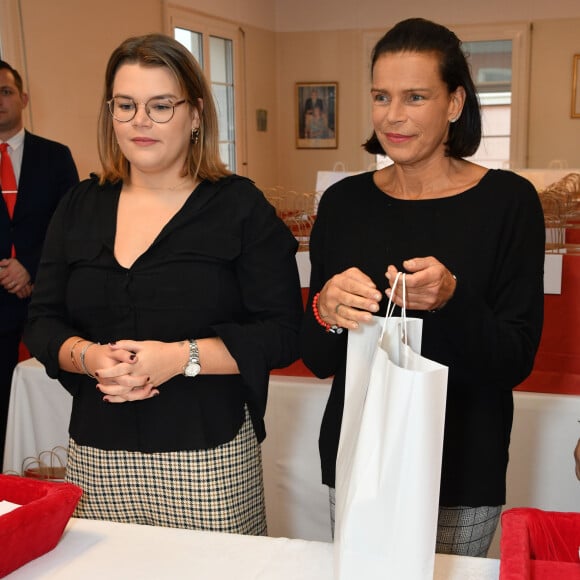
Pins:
x,y
117,381
348,299
113,369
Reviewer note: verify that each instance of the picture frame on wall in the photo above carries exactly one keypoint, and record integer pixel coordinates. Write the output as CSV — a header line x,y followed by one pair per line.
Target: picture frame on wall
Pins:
x,y
575,109
316,115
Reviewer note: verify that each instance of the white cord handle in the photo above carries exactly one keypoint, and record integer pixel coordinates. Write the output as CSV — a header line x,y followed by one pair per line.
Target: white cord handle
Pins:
x,y
391,307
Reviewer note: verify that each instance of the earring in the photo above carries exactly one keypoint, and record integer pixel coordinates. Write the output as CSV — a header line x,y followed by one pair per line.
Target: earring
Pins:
x,y
195,136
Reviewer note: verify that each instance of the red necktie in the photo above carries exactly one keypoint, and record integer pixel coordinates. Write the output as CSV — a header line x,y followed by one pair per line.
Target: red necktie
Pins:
x,y
7,181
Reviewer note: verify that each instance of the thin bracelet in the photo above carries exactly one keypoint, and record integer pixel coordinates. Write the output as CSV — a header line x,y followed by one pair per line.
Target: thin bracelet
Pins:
x,y
332,328
83,365
72,354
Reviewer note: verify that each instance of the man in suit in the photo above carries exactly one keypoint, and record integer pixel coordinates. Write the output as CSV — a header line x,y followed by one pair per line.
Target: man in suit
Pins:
x,y
44,170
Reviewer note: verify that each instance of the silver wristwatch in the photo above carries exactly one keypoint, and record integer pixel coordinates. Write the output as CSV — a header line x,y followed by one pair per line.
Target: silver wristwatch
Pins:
x,y
192,368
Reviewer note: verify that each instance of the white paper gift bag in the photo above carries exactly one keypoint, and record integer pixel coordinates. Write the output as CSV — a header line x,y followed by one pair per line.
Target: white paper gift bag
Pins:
x,y
389,458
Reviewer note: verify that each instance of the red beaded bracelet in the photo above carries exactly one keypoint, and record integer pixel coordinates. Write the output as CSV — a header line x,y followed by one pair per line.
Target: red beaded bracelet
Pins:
x,y
332,328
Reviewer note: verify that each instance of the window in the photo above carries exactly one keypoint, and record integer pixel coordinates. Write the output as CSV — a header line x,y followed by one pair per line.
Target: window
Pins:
x,y
215,46
491,69
499,56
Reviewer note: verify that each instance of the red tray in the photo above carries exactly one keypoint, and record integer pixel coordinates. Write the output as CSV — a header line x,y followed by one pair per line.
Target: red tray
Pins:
x,y
539,545
36,527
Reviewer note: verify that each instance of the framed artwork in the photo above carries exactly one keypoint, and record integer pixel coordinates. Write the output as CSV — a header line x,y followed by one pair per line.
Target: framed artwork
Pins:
x,y
316,115
575,110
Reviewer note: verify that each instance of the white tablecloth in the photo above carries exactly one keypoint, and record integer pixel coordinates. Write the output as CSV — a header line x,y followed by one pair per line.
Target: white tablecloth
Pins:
x,y
38,417
96,550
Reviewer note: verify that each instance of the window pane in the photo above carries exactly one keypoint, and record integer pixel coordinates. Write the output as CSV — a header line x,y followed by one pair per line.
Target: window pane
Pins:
x,y
494,152
193,41
228,155
491,68
496,120
491,64
220,93
220,74
220,55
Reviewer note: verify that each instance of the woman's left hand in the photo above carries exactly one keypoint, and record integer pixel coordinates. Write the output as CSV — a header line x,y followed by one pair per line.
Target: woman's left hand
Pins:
x,y
429,284
155,360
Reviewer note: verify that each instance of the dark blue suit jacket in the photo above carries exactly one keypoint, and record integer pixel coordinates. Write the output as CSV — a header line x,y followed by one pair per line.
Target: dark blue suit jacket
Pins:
x,y
48,171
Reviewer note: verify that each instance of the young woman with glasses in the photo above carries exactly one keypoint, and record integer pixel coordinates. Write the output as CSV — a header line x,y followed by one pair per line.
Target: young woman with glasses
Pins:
x,y
167,291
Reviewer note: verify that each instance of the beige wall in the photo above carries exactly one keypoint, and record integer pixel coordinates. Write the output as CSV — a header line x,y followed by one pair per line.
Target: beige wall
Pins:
x,y
65,70
553,134
261,93
320,57
302,15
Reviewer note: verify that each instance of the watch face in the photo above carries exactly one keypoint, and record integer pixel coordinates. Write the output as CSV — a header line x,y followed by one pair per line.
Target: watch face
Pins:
x,y
192,369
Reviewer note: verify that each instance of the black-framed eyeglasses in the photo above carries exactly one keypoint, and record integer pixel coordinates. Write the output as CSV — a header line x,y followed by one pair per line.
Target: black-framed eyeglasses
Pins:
x,y
124,109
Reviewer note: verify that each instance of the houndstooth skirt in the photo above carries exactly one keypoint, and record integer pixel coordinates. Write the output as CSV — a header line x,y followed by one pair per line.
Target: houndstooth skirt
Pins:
x,y
218,489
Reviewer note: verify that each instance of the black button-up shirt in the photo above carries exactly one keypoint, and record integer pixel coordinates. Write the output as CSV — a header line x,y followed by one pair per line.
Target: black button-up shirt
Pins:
x,y
224,266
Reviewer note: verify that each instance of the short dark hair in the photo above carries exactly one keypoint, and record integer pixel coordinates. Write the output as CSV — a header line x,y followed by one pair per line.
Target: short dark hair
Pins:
x,y
420,35
17,78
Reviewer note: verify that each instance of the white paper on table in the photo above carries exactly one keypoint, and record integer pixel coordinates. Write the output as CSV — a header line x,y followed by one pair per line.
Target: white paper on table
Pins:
x,y
7,506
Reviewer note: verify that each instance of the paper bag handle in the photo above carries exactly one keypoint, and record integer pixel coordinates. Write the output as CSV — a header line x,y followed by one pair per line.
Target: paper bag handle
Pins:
x,y
391,307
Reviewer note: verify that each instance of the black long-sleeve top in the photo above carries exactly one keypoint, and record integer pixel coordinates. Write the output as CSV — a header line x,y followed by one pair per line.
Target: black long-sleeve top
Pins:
x,y
492,238
223,266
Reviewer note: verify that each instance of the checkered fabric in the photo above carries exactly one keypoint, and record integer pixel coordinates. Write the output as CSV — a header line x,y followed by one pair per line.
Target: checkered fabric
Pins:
x,y
218,489
462,531
466,531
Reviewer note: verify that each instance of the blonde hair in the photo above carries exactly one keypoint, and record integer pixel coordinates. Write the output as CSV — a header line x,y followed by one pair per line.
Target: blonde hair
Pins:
x,y
154,50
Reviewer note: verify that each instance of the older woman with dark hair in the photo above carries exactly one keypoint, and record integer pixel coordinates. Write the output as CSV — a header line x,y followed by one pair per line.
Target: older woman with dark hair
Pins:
x,y
471,241
167,291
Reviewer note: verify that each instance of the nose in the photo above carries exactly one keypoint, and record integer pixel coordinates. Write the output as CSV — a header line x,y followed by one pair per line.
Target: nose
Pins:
x,y
395,112
141,117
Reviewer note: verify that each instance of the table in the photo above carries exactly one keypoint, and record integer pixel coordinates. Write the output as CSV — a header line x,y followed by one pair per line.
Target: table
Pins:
x,y
540,473
93,550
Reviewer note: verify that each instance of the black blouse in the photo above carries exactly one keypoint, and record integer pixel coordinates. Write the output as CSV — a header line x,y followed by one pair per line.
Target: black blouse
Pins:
x,y
491,237
224,266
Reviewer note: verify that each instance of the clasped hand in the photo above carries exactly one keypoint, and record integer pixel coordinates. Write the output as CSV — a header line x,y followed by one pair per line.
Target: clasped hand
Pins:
x,y
131,370
15,278
350,298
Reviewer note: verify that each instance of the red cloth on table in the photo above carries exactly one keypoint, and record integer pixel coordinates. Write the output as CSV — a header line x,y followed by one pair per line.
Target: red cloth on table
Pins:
x,y
297,368
557,365
23,353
